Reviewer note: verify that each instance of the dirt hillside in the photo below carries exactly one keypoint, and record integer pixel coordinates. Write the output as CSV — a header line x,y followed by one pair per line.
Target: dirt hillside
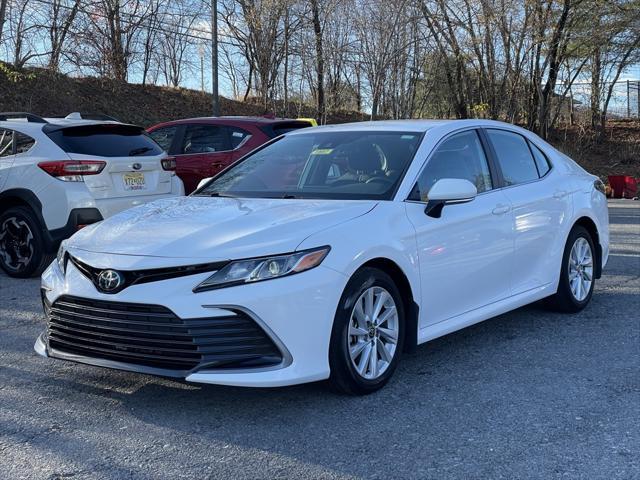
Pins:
x,y
43,93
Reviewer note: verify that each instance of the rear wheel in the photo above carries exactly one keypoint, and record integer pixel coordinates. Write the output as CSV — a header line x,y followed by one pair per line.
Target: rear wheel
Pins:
x,y
22,252
577,280
368,333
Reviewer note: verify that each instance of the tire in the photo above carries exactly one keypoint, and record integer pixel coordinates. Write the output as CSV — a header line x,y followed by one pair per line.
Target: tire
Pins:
x,y
357,376
571,298
22,248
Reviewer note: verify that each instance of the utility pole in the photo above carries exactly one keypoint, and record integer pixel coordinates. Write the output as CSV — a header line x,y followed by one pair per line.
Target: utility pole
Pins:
x,y
628,100
214,58
201,51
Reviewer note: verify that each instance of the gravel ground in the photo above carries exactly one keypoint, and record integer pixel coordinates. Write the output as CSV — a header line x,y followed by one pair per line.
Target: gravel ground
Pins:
x,y
529,394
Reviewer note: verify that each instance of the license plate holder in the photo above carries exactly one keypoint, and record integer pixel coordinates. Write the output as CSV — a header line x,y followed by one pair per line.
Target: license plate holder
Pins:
x,y
134,181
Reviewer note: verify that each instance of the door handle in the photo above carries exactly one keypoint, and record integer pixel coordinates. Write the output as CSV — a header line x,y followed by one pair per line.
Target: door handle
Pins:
x,y
217,165
501,209
560,194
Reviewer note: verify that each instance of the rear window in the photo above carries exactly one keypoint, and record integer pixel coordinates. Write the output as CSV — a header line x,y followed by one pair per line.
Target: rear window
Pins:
x,y
515,159
24,143
541,160
105,140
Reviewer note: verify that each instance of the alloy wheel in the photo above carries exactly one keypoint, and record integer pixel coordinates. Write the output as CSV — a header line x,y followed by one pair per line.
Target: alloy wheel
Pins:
x,y
580,269
373,332
16,244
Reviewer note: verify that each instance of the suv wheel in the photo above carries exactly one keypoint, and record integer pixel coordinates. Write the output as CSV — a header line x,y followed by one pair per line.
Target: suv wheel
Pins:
x,y
368,333
22,252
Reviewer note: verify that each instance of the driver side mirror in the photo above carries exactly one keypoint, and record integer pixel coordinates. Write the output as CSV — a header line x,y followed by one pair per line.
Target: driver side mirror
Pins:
x,y
448,191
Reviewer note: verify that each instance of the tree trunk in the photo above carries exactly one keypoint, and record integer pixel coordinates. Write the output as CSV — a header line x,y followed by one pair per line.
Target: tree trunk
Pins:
x,y
3,14
317,30
596,68
555,57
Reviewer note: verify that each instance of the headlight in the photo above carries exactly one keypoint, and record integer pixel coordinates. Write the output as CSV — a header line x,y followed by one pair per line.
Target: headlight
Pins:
x,y
257,269
62,257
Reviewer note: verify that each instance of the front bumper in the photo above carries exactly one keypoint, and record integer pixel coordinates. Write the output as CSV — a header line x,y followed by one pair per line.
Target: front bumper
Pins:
x,y
296,312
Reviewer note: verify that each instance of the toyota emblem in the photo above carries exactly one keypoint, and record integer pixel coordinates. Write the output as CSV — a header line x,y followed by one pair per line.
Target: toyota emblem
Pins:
x,y
136,166
110,280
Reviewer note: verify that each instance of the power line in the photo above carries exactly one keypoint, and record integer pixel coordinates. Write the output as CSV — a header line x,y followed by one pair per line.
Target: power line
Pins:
x,y
206,34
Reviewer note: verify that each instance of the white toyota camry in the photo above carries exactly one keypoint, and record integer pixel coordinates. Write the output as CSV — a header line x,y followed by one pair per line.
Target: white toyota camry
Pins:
x,y
327,252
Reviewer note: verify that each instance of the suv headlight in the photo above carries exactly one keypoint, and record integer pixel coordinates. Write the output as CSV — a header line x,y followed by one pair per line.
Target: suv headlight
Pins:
x,y
62,257
257,269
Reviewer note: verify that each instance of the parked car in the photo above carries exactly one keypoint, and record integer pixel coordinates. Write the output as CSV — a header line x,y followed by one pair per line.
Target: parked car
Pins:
x,y
329,251
60,174
203,147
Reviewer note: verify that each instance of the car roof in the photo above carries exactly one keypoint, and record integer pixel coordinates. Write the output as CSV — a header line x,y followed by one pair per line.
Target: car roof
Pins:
x,y
232,120
413,125
33,127
379,125
77,122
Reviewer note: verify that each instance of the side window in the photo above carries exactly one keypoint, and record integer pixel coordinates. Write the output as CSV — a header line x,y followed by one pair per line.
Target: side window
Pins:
x,y
541,160
460,156
23,143
6,143
164,137
514,157
238,136
205,139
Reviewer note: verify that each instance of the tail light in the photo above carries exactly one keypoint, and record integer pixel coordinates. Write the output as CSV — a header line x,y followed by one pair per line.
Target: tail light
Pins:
x,y
72,170
168,163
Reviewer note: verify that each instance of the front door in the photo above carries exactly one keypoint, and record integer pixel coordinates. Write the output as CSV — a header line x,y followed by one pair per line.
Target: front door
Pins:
x,y
465,255
205,150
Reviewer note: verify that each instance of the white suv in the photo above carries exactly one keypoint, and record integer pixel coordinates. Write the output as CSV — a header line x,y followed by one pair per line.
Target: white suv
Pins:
x,y
60,174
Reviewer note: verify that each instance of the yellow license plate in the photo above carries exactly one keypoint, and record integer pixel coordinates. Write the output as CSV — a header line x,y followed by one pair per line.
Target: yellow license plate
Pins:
x,y
134,181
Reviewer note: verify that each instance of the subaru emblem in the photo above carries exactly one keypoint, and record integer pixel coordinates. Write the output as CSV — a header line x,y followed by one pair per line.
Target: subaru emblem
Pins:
x,y
137,166
110,280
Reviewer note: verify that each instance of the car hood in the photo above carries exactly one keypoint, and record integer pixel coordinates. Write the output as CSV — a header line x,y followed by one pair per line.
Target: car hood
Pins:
x,y
215,228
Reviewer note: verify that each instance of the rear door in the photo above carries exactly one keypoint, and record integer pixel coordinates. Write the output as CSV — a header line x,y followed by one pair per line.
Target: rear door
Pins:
x,y
204,150
541,204
6,155
131,157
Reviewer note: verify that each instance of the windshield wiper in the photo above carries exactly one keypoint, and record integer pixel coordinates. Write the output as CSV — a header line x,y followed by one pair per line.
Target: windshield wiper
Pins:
x,y
218,194
139,151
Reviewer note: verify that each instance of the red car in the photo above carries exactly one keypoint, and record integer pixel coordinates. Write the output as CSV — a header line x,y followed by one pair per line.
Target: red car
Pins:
x,y
204,146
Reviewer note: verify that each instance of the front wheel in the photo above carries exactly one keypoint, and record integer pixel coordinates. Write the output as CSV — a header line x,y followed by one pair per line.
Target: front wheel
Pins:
x,y
22,252
368,333
577,280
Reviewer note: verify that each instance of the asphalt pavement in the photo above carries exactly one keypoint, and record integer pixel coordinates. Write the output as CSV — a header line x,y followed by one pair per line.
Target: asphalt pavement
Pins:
x,y
529,394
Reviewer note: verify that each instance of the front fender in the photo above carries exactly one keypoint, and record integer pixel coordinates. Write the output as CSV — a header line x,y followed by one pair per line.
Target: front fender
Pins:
x,y
385,232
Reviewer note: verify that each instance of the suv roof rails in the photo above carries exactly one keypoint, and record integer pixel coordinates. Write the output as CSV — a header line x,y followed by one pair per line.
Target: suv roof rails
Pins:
x,y
29,117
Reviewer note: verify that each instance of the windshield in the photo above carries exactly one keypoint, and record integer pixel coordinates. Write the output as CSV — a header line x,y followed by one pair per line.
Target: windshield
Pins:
x,y
331,165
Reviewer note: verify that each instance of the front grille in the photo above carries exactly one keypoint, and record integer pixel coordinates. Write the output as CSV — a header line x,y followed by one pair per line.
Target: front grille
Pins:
x,y
153,336
137,277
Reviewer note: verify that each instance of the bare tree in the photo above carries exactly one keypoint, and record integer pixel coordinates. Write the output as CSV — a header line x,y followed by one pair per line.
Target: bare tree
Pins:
x,y
62,19
176,42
